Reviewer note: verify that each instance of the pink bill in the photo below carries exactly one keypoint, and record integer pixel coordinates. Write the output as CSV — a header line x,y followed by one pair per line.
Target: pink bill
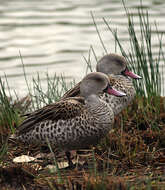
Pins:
x,y
115,92
132,75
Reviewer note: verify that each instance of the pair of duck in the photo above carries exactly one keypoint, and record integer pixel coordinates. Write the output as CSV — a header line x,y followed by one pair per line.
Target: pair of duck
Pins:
x,y
85,113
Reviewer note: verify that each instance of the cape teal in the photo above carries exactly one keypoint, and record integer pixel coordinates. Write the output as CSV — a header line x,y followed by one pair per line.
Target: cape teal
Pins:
x,y
72,123
115,67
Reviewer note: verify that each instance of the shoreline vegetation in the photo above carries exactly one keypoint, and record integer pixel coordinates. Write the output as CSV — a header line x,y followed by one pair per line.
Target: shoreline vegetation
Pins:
x,y
130,157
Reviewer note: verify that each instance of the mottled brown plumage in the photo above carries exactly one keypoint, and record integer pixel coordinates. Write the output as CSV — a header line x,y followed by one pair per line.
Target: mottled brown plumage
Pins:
x,y
72,123
67,109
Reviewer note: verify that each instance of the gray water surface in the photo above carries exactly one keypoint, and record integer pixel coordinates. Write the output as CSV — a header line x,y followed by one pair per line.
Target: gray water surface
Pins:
x,y
53,36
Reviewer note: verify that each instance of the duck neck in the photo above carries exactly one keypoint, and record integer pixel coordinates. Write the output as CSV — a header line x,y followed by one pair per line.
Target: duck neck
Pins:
x,y
99,109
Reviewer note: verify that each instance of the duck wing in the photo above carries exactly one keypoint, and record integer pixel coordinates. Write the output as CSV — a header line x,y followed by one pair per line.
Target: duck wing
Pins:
x,y
75,91
64,109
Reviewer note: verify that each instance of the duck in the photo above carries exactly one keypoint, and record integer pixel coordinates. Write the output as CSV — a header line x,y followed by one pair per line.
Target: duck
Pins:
x,y
116,68
72,123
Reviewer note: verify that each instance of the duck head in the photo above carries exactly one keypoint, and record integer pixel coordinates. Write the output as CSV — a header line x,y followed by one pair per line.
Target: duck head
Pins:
x,y
115,64
96,83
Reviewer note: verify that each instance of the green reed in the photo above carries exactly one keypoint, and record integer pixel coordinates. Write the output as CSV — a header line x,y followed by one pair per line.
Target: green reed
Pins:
x,y
8,113
55,87
53,90
42,94
55,162
8,119
140,55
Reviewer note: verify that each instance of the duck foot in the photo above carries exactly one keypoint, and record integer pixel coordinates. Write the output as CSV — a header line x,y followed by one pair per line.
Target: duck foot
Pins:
x,y
76,165
70,163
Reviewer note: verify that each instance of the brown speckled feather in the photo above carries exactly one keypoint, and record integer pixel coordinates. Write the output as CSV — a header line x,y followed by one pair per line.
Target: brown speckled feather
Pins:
x,y
64,109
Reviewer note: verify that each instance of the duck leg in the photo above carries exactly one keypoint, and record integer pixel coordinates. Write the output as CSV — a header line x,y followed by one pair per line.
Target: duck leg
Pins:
x,y
68,155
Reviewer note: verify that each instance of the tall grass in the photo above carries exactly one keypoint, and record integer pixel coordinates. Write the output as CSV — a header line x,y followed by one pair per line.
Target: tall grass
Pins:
x,y
49,93
55,87
8,119
8,114
140,55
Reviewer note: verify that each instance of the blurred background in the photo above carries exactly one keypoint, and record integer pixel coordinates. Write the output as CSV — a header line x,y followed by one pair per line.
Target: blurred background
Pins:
x,y
53,36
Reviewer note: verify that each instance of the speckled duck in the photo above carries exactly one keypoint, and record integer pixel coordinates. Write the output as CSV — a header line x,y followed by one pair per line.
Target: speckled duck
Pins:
x,y
72,123
115,66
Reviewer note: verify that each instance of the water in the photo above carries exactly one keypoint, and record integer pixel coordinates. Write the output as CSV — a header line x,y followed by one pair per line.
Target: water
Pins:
x,y
53,36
